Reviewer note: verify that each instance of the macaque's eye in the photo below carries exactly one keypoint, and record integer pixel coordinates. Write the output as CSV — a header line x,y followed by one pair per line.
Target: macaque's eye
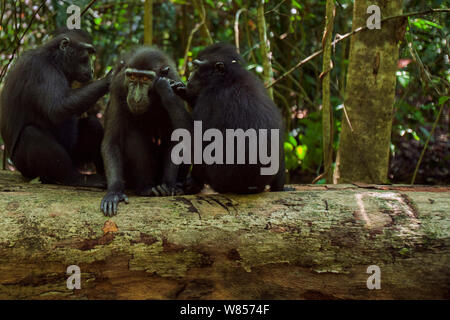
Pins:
x,y
145,78
132,77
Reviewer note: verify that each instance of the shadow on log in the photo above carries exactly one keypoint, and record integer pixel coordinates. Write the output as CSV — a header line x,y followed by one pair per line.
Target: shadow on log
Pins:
x,y
313,243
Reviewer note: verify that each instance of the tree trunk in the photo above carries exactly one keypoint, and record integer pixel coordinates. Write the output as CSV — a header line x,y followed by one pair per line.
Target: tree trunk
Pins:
x,y
265,48
363,154
314,243
327,108
148,22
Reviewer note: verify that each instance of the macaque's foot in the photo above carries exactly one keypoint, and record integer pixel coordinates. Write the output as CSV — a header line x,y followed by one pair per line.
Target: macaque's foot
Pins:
x,y
164,190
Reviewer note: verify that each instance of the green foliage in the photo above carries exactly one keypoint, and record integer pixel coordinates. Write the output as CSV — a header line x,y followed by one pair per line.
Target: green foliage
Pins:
x,y
294,152
422,76
311,137
424,24
303,146
443,100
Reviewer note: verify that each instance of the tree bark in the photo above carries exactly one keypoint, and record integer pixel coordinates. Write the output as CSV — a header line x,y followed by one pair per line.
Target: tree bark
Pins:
x,y
327,108
313,243
363,154
266,54
148,22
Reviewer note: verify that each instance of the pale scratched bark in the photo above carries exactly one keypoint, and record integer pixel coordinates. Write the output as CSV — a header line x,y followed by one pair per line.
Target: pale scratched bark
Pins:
x,y
309,244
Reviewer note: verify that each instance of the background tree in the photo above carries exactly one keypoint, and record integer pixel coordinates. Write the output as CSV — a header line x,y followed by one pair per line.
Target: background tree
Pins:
x,y
363,154
327,114
148,22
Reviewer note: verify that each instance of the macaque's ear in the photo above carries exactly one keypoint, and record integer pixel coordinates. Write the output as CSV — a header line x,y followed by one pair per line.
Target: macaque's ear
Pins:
x,y
164,72
220,66
64,43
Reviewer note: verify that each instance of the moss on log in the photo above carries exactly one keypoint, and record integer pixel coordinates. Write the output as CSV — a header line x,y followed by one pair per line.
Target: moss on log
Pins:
x,y
313,243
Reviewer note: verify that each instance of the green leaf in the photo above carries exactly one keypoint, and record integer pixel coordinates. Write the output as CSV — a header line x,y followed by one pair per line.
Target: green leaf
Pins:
x,y
296,4
425,132
292,141
288,147
322,181
300,151
425,24
430,23
403,78
443,100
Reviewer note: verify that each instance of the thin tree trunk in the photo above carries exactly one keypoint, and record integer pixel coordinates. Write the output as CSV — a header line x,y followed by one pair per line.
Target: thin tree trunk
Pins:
x,y
148,22
200,7
327,110
183,29
265,47
4,158
365,137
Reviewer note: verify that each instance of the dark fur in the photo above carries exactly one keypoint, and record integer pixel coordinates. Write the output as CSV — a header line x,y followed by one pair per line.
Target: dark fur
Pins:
x,y
232,99
136,147
40,110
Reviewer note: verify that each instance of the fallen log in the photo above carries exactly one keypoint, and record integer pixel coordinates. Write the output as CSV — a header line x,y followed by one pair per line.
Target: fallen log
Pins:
x,y
313,243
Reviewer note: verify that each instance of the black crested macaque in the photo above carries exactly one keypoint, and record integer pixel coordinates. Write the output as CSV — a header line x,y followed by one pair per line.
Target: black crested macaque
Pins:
x,y
137,147
40,123
224,95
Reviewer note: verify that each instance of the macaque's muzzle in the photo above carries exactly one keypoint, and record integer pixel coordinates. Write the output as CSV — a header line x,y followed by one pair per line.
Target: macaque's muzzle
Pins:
x,y
138,102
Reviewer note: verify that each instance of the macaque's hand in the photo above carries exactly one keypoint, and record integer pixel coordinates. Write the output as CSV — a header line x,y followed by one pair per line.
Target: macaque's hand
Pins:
x,y
110,202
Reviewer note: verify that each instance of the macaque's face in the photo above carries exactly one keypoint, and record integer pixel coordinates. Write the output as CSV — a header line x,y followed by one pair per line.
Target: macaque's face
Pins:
x,y
205,71
77,65
139,84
